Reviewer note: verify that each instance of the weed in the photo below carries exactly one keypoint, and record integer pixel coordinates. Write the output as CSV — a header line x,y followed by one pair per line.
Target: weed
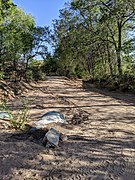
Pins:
x,y
19,119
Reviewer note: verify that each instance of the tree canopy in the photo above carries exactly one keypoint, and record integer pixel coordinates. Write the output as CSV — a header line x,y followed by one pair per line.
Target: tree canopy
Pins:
x,y
91,39
95,39
21,40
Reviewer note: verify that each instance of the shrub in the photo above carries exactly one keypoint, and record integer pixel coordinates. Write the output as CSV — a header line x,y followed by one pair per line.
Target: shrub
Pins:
x,y
19,120
29,75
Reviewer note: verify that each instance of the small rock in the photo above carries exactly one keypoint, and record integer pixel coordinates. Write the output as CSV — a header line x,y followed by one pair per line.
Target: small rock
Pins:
x,y
52,136
62,153
63,137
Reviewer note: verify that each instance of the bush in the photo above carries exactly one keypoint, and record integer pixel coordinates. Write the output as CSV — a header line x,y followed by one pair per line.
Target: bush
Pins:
x,y
29,75
1,75
19,120
38,75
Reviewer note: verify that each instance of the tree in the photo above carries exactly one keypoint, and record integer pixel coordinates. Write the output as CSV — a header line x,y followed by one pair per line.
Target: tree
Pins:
x,y
17,39
119,13
20,41
95,32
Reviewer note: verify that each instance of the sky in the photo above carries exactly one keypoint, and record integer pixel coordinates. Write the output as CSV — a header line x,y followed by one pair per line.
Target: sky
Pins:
x,y
44,11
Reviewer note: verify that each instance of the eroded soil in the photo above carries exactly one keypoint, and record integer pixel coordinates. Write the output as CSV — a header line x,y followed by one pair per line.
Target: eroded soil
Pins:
x,y
101,135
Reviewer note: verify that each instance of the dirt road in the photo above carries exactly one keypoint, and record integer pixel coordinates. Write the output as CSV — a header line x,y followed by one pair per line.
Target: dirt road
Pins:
x,y
101,135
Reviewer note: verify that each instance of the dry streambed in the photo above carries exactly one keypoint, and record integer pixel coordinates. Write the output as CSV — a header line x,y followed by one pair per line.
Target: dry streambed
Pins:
x,y
101,135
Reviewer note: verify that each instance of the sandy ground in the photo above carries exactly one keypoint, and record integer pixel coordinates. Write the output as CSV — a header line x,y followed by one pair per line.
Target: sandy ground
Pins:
x,y
101,135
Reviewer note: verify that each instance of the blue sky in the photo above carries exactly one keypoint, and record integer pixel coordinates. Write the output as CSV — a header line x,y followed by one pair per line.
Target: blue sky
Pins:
x,y
44,11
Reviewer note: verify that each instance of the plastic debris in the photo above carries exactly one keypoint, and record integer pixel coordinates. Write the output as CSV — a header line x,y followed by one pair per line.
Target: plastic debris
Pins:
x,y
52,136
50,117
5,115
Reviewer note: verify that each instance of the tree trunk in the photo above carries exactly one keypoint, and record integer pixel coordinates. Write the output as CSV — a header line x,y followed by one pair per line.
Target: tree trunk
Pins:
x,y
109,59
119,49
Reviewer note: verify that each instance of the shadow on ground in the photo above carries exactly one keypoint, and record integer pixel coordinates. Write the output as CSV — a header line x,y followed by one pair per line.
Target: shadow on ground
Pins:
x,y
79,156
127,97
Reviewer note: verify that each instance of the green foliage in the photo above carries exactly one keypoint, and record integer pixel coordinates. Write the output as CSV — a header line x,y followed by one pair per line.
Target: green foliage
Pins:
x,y
38,75
91,39
36,71
20,41
1,75
4,108
51,66
19,120
96,39
17,29
29,75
